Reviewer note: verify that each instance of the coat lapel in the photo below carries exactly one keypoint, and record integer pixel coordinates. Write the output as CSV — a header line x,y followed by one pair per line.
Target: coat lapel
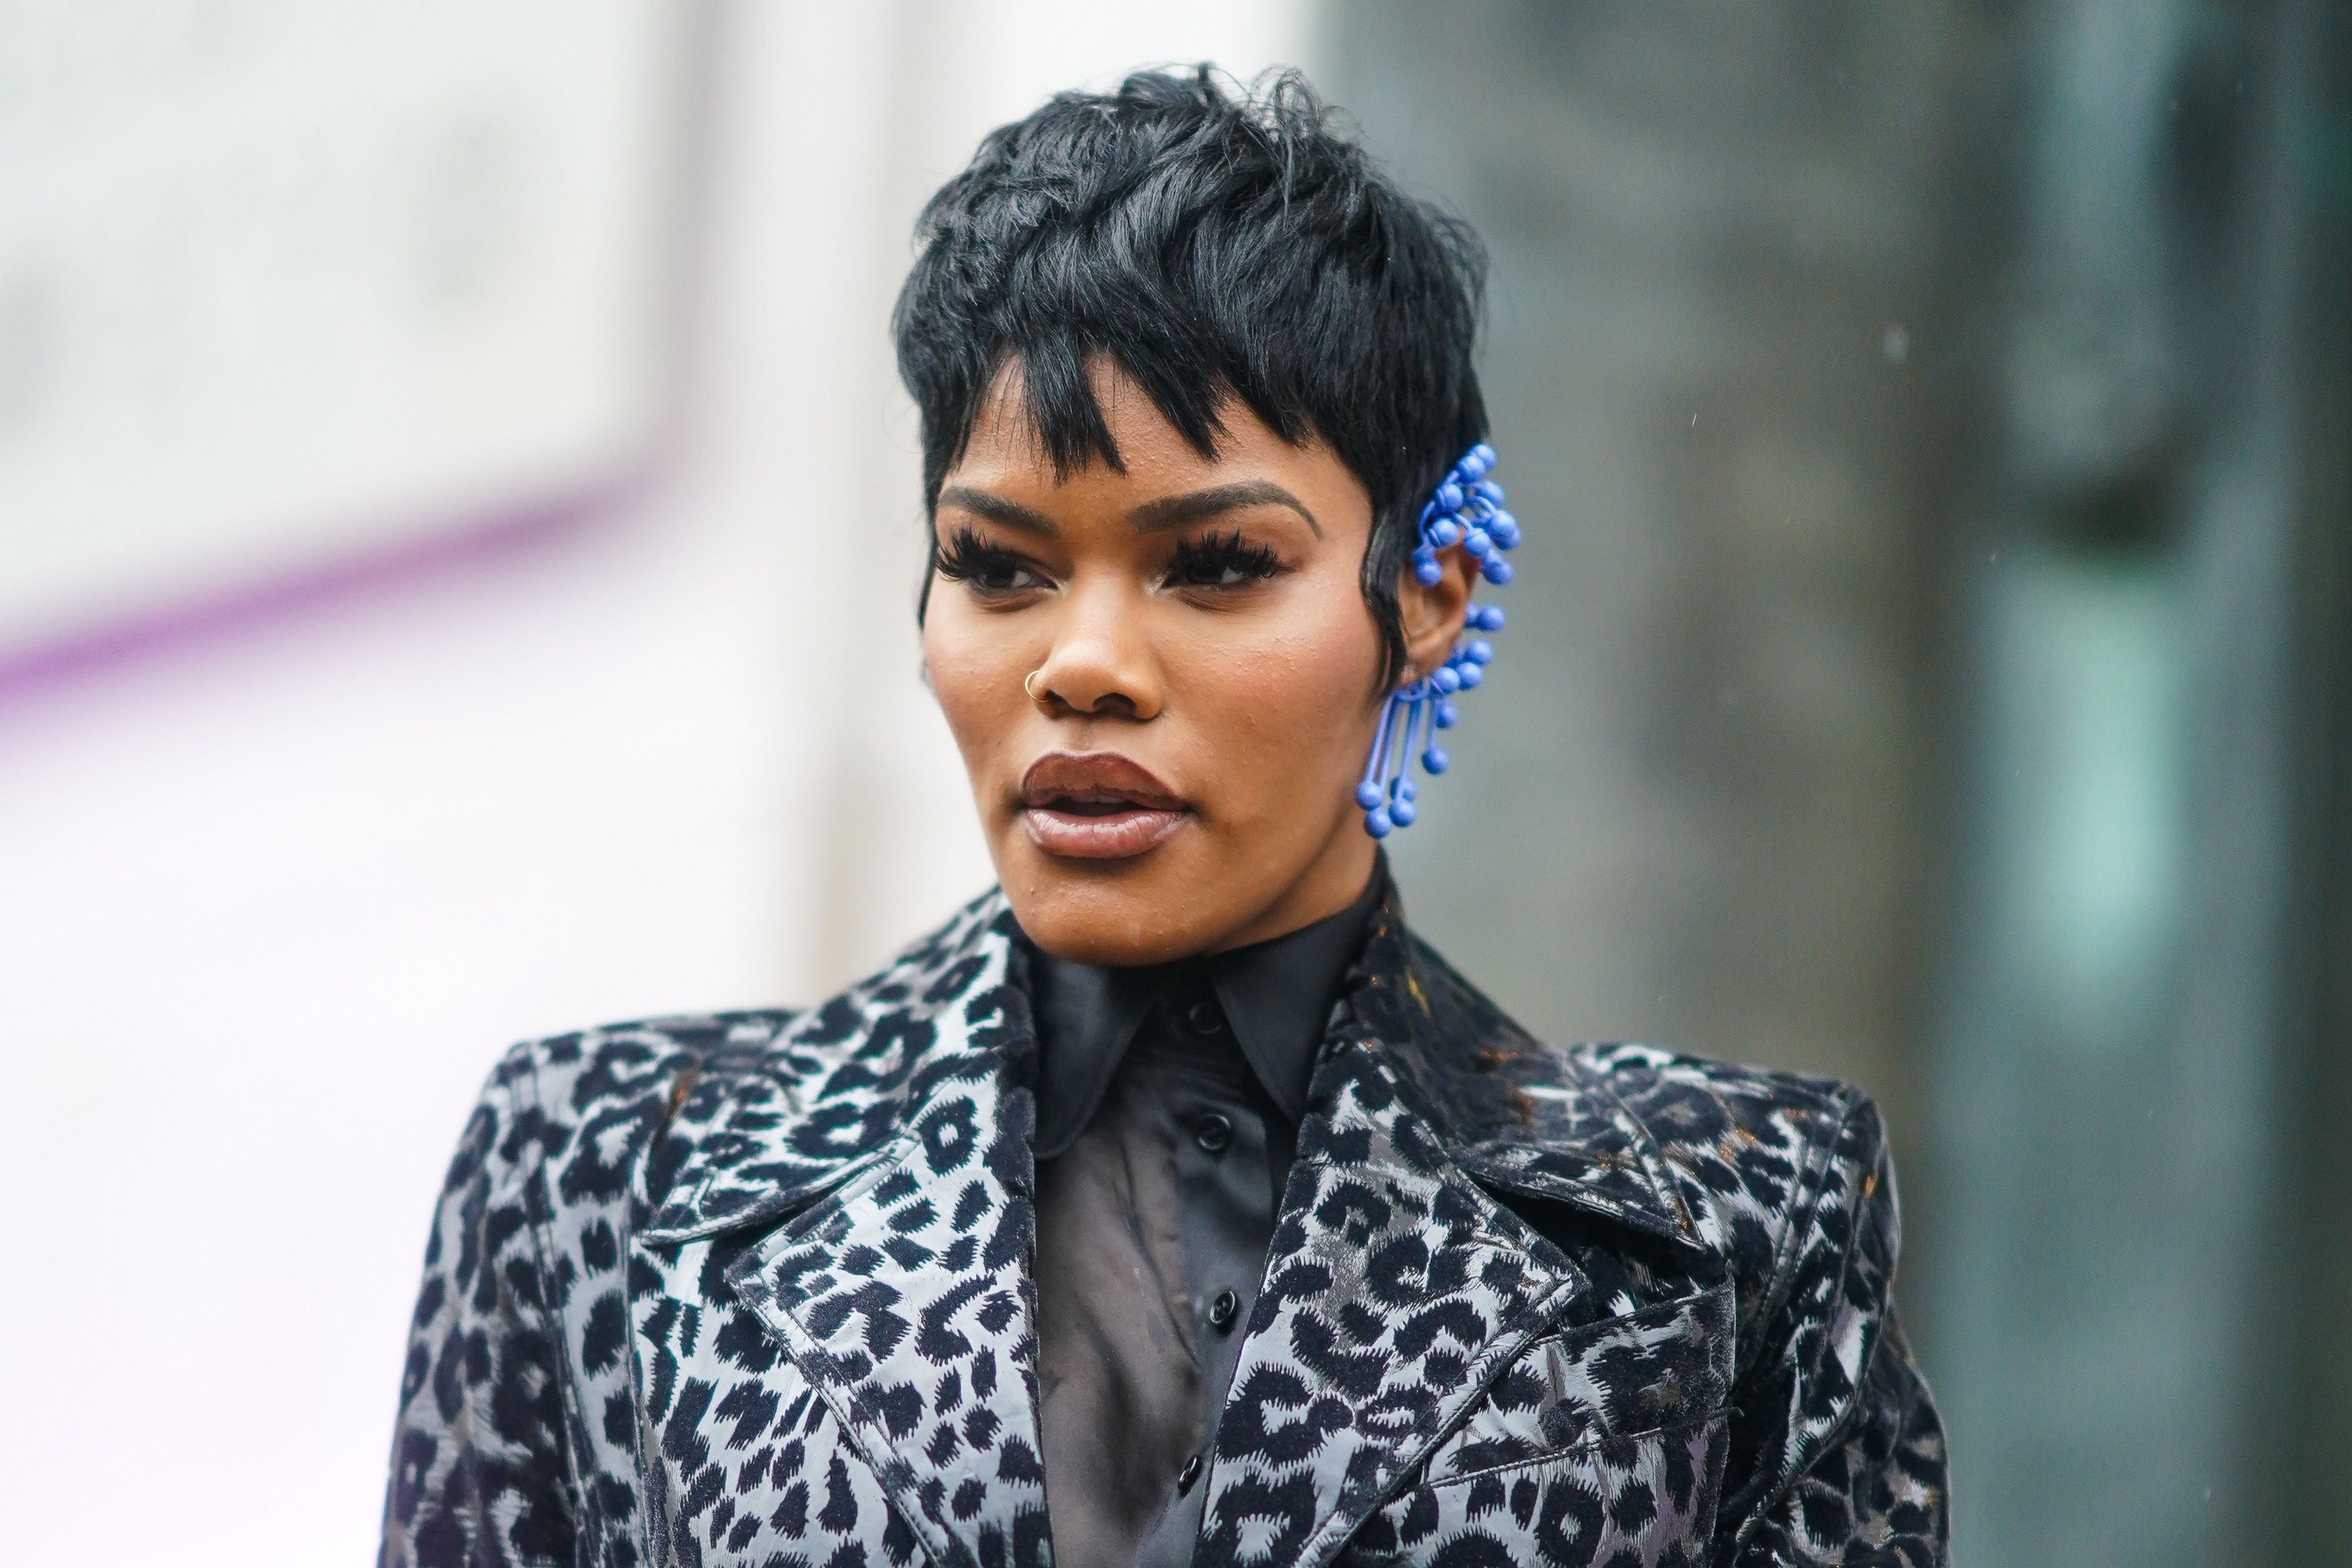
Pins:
x,y
885,1139
1396,1291
898,1120
1397,1288
1518,1115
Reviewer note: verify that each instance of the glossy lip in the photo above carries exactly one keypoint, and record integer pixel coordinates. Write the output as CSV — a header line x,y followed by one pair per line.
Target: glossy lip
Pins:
x,y
1130,810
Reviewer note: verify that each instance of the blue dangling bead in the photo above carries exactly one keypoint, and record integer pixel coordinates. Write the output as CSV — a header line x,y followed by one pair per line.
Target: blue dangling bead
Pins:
x,y
1464,509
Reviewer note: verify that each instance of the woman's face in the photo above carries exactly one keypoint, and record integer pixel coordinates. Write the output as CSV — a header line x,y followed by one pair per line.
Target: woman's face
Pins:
x,y
1203,661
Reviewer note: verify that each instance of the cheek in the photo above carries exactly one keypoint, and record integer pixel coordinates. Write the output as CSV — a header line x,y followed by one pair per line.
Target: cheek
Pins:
x,y
968,673
1290,708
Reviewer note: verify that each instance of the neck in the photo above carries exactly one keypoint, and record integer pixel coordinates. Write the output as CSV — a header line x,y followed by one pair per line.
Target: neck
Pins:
x,y
1332,880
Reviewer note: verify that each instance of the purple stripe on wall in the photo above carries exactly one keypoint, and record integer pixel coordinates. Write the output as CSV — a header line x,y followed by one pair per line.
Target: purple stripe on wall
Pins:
x,y
44,668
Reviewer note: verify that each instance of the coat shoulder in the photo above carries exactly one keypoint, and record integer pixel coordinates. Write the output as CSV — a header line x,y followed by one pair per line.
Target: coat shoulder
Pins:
x,y
585,1108
589,1075
1706,1152
1698,1110
1763,1167
781,1097
1731,1160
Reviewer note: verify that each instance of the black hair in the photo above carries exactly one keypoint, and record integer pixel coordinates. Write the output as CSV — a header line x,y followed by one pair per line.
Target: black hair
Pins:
x,y
1212,241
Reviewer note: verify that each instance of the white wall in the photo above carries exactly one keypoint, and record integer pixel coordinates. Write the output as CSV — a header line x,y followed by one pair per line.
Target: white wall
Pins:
x,y
269,907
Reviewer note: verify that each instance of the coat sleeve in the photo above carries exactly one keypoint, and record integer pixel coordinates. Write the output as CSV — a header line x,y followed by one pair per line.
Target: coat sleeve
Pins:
x,y
1837,1453
479,1471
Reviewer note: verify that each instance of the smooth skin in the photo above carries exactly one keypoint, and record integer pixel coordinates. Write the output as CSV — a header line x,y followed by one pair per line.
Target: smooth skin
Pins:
x,y
1197,618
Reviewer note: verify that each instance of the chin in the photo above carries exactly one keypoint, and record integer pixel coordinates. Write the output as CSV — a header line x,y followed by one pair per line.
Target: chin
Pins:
x,y
1196,892
1147,909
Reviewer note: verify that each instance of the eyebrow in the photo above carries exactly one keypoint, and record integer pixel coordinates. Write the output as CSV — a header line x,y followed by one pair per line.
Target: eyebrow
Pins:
x,y
1151,517
1175,511
997,509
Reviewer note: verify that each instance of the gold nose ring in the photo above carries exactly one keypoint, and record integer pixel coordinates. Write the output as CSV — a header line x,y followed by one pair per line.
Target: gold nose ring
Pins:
x,y
1029,685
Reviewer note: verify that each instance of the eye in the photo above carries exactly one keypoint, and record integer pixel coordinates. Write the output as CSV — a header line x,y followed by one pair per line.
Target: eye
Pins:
x,y
1220,560
989,569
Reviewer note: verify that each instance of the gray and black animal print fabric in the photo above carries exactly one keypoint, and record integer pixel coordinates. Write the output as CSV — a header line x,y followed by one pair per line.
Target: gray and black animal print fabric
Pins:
x,y
756,1288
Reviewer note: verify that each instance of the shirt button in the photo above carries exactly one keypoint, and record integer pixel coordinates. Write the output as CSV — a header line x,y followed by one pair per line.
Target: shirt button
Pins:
x,y
1201,1018
1213,1133
1188,1474
1221,1310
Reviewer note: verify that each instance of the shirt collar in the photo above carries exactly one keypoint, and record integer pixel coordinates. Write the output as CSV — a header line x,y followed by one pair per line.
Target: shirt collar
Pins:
x,y
1276,996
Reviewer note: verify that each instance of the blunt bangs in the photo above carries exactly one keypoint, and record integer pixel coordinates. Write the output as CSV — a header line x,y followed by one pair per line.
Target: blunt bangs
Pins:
x,y
1216,244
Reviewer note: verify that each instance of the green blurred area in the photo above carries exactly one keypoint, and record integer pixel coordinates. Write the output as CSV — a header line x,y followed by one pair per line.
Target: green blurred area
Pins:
x,y
1929,666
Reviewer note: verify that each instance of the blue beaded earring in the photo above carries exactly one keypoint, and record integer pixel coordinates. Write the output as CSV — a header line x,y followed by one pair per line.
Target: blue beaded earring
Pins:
x,y
1466,510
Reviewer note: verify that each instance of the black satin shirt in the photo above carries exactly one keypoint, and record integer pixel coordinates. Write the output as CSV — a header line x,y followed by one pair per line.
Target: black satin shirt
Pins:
x,y
1168,1101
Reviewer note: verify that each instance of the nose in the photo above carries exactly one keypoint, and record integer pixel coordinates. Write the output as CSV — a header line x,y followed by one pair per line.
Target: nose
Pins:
x,y
1102,664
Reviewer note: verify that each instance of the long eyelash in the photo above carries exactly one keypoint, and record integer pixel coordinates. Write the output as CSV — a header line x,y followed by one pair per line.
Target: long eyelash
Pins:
x,y
964,555
1213,555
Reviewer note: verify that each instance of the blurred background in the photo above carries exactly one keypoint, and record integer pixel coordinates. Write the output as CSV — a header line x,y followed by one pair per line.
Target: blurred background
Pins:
x,y
459,525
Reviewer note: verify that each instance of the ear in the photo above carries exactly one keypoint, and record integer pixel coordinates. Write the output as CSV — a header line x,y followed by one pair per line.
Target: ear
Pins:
x,y
1432,613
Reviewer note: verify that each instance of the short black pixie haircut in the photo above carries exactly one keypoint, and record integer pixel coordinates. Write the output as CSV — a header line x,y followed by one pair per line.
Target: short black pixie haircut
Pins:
x,y
1212,241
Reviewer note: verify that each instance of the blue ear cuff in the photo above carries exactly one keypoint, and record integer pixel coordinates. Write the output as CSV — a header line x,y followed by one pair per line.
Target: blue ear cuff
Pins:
x,y
1466,510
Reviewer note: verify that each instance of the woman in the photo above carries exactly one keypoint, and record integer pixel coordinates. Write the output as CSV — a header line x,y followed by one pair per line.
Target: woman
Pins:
x,y
1173,1203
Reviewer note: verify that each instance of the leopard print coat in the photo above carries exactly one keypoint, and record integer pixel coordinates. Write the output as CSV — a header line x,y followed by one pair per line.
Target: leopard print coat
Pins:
x,y
755,1289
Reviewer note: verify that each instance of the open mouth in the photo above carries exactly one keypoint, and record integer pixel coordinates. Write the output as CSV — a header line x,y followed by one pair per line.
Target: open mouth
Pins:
x,y
1097,806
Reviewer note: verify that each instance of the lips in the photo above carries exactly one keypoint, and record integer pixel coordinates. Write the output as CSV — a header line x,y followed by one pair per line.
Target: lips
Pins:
x,y
1097,805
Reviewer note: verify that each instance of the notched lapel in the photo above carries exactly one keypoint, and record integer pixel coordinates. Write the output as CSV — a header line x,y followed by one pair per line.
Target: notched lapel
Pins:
x,y
905,1300
1396,1292
889,1133
1517,1114
1398,1288
1579,1147
778,1117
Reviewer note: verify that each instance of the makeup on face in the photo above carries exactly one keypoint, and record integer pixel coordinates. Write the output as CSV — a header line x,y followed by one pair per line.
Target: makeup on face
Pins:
x,y
1097,805
1161,673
